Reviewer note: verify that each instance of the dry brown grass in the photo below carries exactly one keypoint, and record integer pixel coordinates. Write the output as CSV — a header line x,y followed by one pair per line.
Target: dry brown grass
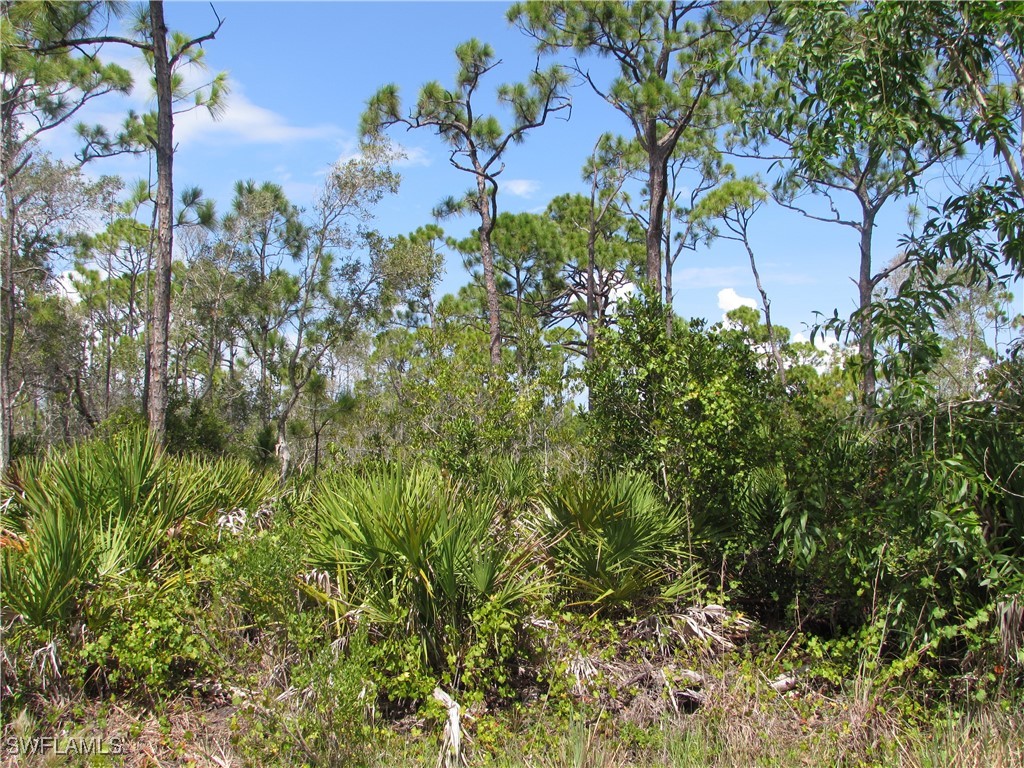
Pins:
x,y
673,706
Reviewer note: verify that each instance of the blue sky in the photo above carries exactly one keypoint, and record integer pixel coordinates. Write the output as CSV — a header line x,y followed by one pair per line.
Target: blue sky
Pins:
x,y
301,73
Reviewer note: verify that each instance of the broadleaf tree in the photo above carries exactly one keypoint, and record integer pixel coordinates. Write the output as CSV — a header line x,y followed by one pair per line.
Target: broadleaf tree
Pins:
x,y
849,97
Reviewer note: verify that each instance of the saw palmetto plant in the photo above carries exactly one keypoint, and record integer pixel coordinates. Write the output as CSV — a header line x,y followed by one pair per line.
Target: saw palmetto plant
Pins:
x,y
417,554
101,511
613,540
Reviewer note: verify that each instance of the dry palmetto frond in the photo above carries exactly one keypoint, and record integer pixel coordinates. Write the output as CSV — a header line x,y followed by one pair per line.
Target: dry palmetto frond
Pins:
x,y
1011,628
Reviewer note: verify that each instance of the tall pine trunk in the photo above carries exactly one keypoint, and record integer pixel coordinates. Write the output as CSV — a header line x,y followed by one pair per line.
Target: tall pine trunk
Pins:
x,y
865,330
487,258
156,404
656,185
6,307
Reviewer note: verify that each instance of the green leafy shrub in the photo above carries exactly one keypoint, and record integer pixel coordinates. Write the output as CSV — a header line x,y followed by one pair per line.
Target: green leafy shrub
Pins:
x,y
251,586
684,408
325,717
146,641
773,538
909,526
196,426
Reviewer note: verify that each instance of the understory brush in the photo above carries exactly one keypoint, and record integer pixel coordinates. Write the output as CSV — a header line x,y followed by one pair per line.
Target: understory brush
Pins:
x,y
424,562
397,616
101,543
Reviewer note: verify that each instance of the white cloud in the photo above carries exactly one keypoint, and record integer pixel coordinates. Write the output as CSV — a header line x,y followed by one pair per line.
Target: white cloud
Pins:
x,y
241,121
729,300
707,277
520,187
828,351
349,152
623,291
412,156
66,285
617,294
404,157
246,122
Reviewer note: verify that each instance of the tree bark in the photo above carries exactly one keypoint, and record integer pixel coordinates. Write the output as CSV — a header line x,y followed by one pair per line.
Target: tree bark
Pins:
x,y
6,306
156,405
669,315
10,150
316,449
866,341
773,343
282,449
591,285
484,203
656,186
